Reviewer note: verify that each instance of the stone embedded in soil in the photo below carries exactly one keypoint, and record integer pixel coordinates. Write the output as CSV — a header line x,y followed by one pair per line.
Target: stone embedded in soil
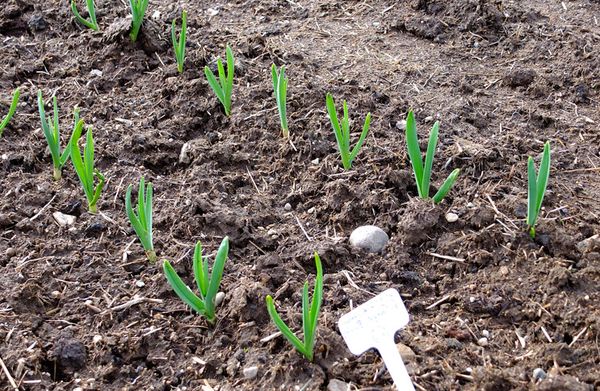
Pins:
x,y
483,341
451,217
250,372
220,296
70,354
370,238
539,374
337,385
408,355
63,219
590,244
184,157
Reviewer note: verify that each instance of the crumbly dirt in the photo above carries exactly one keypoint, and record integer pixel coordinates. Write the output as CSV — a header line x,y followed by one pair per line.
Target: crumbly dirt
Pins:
x,y
81,308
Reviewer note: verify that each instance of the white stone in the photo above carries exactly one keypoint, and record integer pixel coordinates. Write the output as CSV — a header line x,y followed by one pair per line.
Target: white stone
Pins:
x,y
370,238
63,219
140,284
97,338
401,125
485,333
219,297
287,207
337,385
250,372
482,341
184,157
156,15
451,217
96,72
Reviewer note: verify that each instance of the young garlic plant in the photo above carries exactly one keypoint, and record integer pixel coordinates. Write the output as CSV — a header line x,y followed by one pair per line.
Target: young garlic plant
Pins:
x,y
310,316
11,110
51,131
92,23
84,167
208,283
179,45
142,221
536,188
423,171
224,86
138,9
280,83
342,132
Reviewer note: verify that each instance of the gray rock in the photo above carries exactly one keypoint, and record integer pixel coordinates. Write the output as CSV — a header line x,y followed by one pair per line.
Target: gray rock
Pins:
x,y
337,385
370,238
483,341
219,297
184,157
539,374
63,219
250,372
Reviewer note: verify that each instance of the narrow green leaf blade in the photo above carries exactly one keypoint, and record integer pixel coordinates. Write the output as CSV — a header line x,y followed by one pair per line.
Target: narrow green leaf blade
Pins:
x,y
431,145
182,290
531,193
446,186
414,152
542,178
285,330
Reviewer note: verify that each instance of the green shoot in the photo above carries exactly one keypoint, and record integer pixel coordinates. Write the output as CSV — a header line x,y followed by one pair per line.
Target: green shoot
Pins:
x,y
85,167
179,45
224,86
310,316
138,9
92,23
208,284
280,83
342,133
142,222
422,170
11,110
537,188
52,133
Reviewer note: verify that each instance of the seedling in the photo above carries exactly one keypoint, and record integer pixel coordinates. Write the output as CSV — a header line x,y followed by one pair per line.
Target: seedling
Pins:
x,y
11,110
52,133
138,9
423,172
536,188
310,316
342,133
92,23
208,284
85,167
142,221
280,83
224,86
179,45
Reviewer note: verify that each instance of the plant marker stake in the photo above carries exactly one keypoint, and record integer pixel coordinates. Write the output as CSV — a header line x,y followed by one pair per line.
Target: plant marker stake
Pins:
x,y
373,325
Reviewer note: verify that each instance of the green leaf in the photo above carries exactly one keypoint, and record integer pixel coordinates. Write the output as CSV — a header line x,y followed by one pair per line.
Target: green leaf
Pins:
x,y
11,111
285,330
414,152
182,290
543,175
362,138
531,193
426,179
200,268
445,188
217,275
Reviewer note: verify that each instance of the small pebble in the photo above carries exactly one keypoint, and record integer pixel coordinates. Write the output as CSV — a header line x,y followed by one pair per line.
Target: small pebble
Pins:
x,y
140,284
539,374
311,210
96,72
11,252
97,338
428,119
401,125
156,15
63,219
337,385
55,294
485,333
287,207
504,270
370,238
272,233
220,296
184,157
482,341
250,372
451,217
315,162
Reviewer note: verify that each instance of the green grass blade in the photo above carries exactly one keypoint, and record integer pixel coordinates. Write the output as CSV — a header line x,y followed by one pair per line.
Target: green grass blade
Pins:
x,y
431,145
285,330
338,131
182,290
346,131
97,191
362,138
92,24
230,70
11,111
148,210
531,193
88,161
282,101
446,186
306,318
542,178
141,207
66,154
414,152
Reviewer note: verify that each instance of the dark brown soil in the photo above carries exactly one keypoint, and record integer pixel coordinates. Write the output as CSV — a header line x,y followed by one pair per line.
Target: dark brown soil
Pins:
x,y
502,77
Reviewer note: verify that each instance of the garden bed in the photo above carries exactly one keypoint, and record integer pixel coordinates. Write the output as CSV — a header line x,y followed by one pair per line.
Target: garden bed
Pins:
x,y
82,307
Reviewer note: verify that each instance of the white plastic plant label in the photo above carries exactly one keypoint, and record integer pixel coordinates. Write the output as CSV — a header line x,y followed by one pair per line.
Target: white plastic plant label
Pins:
x,y
373,325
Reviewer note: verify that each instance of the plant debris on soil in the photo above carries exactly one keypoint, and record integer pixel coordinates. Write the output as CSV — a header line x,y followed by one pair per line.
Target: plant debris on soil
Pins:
x,y
491,309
